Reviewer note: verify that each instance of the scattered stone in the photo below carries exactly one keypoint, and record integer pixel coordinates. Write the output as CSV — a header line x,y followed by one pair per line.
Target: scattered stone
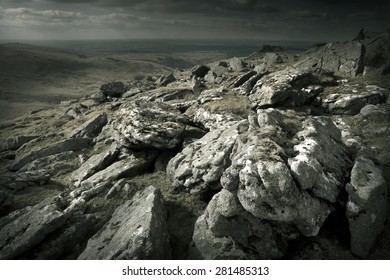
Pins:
x,y
137,230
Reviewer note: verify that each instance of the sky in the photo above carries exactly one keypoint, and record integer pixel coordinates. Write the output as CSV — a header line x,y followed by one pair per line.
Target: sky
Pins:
x,y
301,20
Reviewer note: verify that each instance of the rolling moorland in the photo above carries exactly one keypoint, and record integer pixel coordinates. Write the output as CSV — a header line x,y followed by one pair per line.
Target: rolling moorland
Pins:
x,y
282,154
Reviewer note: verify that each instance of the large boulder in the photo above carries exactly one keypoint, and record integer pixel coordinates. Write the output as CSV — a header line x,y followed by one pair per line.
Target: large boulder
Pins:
x,y
367,204
150,124
285,87
136,230
113,89
338,57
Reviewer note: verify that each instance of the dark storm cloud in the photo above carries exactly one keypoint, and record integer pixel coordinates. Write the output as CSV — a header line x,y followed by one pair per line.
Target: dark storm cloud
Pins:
x,y
283,19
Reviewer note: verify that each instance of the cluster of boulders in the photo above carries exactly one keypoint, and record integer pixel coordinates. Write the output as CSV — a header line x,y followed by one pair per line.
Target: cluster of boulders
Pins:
x,y
260,139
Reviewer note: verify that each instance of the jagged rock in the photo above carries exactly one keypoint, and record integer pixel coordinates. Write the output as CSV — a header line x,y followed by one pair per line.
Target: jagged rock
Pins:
x,y
236,64
211,95
53,164
200,165
240,80
226,231
91,127
351,104
170,95
150,124
339,57
94,164
116,188
367,204
167,80
6,199
24,231
200,70
98,97
210,77
283,87
137,230
73,144
113,89
14,142
131,166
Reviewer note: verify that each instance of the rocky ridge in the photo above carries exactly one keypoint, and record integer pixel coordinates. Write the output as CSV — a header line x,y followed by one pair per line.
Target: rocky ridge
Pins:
x,y
282,154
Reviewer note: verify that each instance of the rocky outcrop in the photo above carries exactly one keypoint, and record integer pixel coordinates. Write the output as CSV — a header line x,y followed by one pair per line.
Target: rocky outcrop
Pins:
x,y
367,204
338,57
137,230
150,124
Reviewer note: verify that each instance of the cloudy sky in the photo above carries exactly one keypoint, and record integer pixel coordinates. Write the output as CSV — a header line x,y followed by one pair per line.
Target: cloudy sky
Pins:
x,y
314,20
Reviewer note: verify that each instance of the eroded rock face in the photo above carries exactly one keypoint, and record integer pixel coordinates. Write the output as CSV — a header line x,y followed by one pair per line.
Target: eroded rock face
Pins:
x,y
137,230
150,124
367,204
285,87
200,165
341,57
91,127
23,230
14,142
276,194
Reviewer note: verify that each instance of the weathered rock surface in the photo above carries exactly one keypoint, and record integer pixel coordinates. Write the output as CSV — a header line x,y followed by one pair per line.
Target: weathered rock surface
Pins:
x,y
6,199
226,231
340,57
14,142
285,87
351,104
22,232
213,121
94,164
200,165
137,230
91,127
22,180
133,165
74,144
150,124
236,64
367,204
